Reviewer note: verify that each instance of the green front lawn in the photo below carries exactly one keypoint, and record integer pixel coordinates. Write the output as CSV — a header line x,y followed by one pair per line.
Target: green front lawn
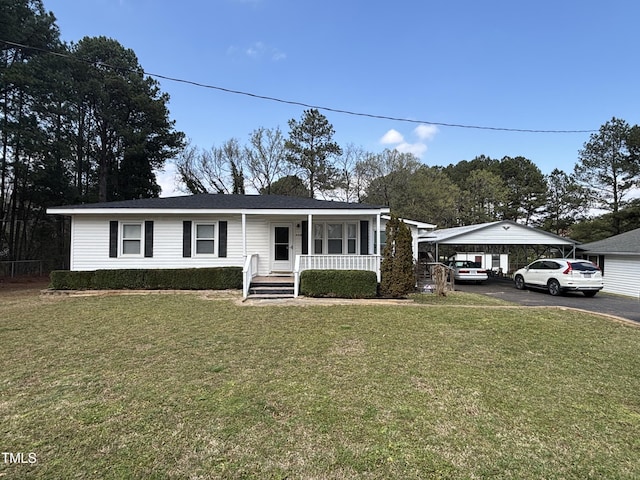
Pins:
x,y
176,386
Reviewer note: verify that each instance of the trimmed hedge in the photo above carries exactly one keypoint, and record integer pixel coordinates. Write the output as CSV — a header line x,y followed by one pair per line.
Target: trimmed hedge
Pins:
x,y
339,283
66,280
220,278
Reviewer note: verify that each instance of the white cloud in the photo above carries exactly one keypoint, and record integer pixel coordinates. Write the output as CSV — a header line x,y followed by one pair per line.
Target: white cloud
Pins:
x,y
426,132
392,137
255,50
418,149
258,50
423,133
166,178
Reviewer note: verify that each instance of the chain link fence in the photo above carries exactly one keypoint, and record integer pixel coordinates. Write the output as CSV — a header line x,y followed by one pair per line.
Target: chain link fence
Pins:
x,y
19,268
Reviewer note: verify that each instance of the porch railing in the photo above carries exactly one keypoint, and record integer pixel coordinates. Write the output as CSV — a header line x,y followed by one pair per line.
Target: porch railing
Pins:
x,y
249,271
333,262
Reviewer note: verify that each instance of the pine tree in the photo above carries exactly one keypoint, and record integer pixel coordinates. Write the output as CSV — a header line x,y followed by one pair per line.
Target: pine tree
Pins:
x,y
310,149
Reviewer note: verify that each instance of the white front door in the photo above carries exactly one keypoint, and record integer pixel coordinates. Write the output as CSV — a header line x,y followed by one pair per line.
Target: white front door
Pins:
x,y
281,247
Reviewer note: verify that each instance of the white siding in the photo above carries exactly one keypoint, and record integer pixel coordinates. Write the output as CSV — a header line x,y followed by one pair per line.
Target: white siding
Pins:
x,y
90,240
258,241
90,244
622,275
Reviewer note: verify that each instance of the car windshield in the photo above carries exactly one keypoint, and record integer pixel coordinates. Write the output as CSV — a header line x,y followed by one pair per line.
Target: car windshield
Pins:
x,y
466,264
584,266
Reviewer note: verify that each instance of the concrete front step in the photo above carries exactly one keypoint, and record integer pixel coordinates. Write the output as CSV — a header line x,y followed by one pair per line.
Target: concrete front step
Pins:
x,y
269,297
271,287
271,291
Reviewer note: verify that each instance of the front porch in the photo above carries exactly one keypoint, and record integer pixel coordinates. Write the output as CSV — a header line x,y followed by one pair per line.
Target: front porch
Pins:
x,y
276,282
290,242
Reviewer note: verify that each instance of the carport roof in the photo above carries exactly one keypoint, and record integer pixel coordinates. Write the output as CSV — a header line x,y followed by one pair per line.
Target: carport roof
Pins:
x,y
504,232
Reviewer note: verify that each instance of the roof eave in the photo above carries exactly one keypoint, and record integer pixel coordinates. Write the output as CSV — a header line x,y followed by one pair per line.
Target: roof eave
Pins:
x,y
610,252
216,211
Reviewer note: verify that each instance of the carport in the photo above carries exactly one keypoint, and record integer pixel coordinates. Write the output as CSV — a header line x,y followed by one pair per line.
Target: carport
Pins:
x,y
502,246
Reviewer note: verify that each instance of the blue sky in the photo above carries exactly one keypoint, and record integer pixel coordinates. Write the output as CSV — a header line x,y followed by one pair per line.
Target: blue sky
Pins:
x,y
543,65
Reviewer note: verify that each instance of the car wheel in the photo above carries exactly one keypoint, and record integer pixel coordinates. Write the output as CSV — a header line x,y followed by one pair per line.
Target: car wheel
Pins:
x,y
519,281
590,293
554,287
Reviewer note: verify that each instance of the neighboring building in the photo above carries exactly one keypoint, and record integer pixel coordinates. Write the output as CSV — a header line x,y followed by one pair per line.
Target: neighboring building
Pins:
x,y
265,234
619,259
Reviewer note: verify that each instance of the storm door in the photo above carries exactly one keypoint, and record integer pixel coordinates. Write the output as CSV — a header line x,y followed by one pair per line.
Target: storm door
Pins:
x,y
282,248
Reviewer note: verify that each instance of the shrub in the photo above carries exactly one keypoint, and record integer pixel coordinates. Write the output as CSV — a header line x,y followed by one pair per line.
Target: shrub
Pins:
x,y
338,283
221,278
119,279
66,280
397,268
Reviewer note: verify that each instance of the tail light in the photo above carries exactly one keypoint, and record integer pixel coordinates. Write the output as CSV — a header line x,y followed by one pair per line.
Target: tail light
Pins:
x,y
567,270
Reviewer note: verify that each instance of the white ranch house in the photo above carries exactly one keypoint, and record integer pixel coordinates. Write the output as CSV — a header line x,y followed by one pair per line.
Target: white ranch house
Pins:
x,y
266,235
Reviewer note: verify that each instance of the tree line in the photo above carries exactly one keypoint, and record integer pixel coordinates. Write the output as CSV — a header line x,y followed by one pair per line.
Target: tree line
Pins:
x,y
309,163
82,123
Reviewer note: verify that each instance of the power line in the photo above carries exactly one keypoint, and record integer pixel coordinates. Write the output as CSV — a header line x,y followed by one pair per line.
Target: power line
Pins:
x,y
292,102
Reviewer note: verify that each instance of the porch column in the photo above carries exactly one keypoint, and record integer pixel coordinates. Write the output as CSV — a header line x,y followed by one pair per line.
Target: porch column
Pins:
x,y
378,251
309,234
244,235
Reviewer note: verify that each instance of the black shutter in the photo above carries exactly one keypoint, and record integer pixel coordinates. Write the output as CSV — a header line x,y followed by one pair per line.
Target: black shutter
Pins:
x,y
305,237
222,238
186,238
364,237
113,239
148,238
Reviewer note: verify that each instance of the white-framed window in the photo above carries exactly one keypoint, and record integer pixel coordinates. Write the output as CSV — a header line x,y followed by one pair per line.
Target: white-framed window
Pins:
x,y
352,238
205,238
334,238
318,237
131,238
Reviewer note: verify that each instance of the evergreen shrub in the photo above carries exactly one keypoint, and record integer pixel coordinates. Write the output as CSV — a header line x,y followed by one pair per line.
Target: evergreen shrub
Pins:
x,y
397,268
339,283
66,280
219,278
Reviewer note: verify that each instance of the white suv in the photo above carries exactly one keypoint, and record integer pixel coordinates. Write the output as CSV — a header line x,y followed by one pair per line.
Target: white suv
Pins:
x,y
561,274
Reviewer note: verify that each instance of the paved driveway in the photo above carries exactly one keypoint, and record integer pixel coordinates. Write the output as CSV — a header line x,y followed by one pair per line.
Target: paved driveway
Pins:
x,y
619,306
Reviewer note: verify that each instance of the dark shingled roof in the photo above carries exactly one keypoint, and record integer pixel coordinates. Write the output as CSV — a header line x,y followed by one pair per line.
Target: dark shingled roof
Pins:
x,y
228,202
625,243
